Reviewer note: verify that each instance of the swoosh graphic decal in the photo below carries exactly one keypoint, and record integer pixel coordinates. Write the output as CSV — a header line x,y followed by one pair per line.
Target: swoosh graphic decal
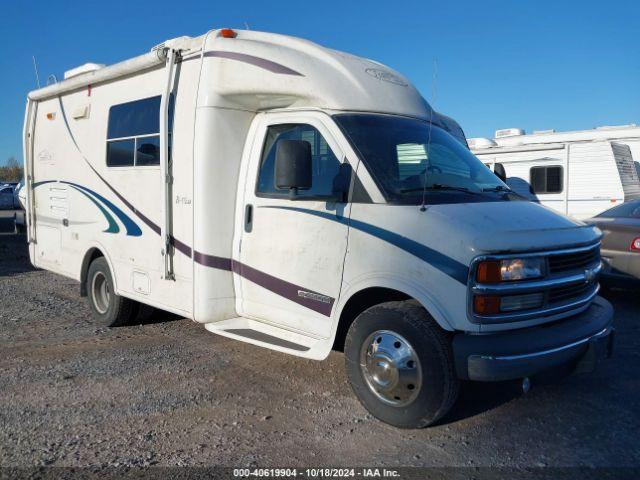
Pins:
x,y
133,230
442,262
250,59
113,226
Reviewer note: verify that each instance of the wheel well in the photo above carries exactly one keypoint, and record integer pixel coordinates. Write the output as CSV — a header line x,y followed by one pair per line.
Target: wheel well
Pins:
x,y
89,257
357,304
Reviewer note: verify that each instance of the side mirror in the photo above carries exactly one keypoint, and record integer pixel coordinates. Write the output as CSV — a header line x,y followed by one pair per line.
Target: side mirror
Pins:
x,y
500,172
293,166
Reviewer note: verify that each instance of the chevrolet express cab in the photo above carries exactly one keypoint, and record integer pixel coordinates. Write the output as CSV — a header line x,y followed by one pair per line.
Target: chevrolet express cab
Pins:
x,y
303,199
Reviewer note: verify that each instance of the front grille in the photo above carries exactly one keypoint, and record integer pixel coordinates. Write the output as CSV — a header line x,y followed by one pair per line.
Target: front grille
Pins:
x,y
566,293
570,282
565,262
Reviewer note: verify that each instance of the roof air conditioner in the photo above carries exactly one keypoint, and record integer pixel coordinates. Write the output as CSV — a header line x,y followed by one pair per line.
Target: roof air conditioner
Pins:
x,y
509,132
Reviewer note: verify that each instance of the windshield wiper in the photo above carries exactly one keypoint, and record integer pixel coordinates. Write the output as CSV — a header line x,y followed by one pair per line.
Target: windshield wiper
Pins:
x,y
439,186
498,188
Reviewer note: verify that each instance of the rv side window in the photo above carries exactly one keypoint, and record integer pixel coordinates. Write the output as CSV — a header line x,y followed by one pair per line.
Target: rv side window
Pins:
x,y
546,179
325,165
133,133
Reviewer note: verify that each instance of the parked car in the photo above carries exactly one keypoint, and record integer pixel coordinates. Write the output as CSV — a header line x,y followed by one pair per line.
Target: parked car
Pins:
x,y
7,197
621,243
16,194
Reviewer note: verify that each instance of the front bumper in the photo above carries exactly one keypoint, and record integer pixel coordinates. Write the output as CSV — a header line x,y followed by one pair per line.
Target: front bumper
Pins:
x,y
585,339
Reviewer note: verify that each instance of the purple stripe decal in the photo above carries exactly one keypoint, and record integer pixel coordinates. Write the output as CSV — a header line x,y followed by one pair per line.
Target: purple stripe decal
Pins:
x,y
181,247
257,61
283,288
276,285
212,261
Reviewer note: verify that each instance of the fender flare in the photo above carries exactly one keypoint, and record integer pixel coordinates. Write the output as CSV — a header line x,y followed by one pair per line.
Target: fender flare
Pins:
x,y
84,265
391,282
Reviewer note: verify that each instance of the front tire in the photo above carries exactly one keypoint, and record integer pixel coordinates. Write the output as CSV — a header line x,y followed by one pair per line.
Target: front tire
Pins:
x,y
400,365
107,308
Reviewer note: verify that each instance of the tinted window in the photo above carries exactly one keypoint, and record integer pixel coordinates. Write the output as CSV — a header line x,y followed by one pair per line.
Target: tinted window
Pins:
x,y
120,153
626,210
139,121
546,179
130,119
148,151
325,165
411,159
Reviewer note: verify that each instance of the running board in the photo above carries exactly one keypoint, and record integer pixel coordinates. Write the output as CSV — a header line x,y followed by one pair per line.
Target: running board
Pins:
x,y
271,336
263,337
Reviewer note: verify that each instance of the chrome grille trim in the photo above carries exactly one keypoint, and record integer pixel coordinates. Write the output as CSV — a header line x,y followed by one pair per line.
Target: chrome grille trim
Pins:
x,y
565,290
567,262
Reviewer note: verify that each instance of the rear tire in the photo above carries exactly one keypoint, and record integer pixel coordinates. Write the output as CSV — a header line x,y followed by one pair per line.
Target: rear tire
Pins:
x,y
107,308
400,365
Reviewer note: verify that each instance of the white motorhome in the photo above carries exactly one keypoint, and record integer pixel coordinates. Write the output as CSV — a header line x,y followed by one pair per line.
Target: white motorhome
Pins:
x,y
580,173
304,199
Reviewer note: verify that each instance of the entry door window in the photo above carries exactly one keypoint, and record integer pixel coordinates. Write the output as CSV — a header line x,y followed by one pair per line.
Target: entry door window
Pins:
x,y
325,164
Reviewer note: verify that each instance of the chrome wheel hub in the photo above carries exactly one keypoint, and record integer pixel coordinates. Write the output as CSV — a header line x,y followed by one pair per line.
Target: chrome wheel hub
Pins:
x,y
391,368
101,294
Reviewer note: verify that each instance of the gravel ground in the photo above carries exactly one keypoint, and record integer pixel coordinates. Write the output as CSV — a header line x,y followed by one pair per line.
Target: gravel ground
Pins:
x,y
170,393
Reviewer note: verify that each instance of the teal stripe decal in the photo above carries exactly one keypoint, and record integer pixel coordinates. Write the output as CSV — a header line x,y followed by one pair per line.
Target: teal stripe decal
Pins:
x,y
133,230
113,226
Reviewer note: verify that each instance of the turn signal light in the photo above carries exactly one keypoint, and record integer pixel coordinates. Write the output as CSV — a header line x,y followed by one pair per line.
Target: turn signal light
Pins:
x,y
486,304
228,33
489,272
635,245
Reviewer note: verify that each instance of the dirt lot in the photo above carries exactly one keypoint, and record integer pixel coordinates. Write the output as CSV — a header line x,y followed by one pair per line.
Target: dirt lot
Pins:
x,y
170,393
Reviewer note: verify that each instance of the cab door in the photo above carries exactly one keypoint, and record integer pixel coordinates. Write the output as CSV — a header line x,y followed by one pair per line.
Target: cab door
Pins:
x,y
292,251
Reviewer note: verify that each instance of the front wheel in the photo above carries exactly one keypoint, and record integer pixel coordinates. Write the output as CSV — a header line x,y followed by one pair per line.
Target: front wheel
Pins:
x,y
107,308
400,365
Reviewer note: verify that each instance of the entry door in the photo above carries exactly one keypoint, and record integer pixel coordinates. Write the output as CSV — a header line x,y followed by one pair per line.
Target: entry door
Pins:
x,y
292,251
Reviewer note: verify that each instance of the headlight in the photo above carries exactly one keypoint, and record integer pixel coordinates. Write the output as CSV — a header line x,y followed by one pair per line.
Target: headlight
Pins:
x,y
508,270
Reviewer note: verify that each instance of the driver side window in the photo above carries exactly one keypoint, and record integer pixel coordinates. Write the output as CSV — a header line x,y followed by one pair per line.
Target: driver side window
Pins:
x,y
325,165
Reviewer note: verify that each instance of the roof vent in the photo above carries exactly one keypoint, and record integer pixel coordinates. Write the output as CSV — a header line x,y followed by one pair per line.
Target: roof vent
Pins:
x,y
509,132
480,143
87,67
541,132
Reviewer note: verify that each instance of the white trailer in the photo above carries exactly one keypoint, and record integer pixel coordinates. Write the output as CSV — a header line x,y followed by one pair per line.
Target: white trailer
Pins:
x,y
304,199
579,173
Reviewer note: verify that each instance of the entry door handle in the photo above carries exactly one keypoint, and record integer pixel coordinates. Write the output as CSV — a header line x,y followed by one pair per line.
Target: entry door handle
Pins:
x,y
248,218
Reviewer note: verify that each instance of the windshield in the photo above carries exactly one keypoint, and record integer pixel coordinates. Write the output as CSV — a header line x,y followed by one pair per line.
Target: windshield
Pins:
x,y
407,157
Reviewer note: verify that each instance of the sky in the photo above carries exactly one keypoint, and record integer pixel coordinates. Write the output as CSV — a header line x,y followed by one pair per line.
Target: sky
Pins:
x,y
535,65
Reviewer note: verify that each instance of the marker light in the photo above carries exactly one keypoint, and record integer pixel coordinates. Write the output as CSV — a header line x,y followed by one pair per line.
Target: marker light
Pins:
x,y
494,271
635,245
493,304
486,304
514,303
228,33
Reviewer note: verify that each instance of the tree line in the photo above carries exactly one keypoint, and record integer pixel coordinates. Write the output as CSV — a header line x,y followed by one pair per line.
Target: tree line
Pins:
x,y
12,171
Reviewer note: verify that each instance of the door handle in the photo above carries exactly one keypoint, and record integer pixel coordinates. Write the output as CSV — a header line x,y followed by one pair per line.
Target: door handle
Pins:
x,y
248,218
